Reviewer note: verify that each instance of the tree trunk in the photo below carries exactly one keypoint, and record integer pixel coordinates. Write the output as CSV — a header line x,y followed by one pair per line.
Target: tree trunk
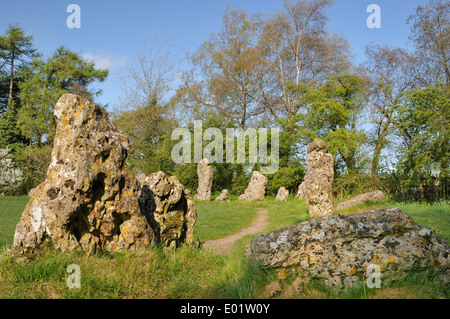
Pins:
x,y
349,161
376,154
10,96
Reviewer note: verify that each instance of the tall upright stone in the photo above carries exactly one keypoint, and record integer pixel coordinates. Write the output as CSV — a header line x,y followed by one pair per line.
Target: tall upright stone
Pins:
x,y
89,197
169,209
282,194
319,177
301,191
256,187
205,179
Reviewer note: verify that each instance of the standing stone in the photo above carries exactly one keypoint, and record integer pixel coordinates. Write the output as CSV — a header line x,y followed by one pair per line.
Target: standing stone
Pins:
x,y
205,178
89,197
256,187
319,179
140,178
223,196
169,210
187,192
282,194
301,191
31,192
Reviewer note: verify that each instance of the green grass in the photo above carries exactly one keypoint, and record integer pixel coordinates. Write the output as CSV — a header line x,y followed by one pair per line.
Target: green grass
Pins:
x,y
436,215
287,213
11,209
187,272
192,272
219,219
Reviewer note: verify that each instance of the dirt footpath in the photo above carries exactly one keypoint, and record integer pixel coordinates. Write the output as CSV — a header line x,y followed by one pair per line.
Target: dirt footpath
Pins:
x,y
224,245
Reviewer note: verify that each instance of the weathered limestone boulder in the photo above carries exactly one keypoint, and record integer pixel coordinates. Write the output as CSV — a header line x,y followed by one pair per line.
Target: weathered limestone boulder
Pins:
x,y
319,179
301,191
141,178
223,196
31,192
169,210
89,197
205,179
256,187
339,248
374,196
282,194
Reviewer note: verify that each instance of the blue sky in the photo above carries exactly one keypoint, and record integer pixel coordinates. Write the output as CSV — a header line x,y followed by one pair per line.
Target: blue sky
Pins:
x,y
113,33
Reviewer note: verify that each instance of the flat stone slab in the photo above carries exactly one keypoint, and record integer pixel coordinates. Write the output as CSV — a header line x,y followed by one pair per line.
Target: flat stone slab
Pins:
x,y
339,248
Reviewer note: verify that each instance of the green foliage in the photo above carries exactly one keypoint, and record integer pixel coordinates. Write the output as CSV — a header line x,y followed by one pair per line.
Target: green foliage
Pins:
x,y
149,130
282,70
424,122
65,71
9,133
335,109
227,72
349,185
231,176
289,176
16,49
34,161
192,272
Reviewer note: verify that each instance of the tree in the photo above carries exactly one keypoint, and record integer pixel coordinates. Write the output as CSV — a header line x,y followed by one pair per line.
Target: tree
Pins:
x,y
227,70
334,115
4,91
430,32
298,51
423,122
151,80
226,175
65,71
291,170
391,73
10,135
16,51
149,130
16,48
145,112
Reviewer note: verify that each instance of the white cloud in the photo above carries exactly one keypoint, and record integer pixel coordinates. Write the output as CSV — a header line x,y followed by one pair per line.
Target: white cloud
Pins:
x,y
106,60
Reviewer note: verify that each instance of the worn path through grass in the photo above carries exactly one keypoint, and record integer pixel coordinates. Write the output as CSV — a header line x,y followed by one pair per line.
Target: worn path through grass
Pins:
x,y
224,245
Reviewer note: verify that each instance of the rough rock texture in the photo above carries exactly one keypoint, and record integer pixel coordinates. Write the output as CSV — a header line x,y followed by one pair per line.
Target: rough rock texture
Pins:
x,y
205,179
282,194
339,248
223,196
89,198
319,179
374,196
169,210
256,187
301,191
140,178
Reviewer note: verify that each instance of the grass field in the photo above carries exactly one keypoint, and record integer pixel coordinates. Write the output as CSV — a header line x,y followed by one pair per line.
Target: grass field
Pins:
x,y
193,272
213,216
10,210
